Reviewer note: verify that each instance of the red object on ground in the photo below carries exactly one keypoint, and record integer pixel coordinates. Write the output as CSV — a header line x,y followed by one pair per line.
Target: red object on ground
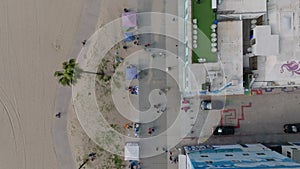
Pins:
x,y
256,91
186,108
185,101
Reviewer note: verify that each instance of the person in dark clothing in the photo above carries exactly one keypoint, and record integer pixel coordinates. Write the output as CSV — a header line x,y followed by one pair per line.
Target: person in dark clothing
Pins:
x,y
83,42
58,115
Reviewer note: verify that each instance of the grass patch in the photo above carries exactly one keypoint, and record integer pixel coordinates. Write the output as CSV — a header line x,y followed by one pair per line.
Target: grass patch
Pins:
x,y
205,17
107,91
114,126
118,162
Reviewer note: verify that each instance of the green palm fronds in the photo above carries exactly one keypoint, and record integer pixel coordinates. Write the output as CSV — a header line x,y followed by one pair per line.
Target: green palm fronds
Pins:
x,y
68,76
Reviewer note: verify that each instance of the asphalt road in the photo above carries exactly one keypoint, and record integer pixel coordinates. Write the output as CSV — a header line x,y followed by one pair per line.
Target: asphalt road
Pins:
x,y
261,118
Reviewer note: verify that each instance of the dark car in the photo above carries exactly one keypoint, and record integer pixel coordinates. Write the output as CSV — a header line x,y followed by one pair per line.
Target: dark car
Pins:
x,y
224,130
292,128
211,104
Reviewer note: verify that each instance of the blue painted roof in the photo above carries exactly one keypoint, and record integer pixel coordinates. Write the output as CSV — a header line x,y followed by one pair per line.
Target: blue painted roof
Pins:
x,y
213,157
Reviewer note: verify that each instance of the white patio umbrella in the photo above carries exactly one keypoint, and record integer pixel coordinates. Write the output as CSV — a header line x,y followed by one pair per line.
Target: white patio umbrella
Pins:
x,y
213,44
213,26
194,21
213,50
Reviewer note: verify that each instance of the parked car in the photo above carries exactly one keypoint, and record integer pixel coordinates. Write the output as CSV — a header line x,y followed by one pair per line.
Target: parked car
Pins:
x,y
292,128
211,104
224,130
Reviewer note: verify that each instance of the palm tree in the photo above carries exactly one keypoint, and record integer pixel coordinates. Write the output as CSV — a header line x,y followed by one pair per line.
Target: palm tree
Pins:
x,y
70,73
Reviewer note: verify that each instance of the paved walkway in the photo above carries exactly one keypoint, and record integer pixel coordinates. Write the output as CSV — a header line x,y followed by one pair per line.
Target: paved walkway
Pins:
x,y
84,96
84,92
89,18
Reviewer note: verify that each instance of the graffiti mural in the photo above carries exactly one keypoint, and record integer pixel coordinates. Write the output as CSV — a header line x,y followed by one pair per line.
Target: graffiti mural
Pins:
x,y
291,66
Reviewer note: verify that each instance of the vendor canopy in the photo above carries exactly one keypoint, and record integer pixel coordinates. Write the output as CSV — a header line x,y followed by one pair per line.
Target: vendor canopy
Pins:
x,y
128,36
129,19
131,72
132,151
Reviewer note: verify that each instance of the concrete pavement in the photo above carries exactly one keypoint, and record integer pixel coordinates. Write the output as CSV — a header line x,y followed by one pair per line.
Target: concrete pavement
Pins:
x,y
170,79
84,91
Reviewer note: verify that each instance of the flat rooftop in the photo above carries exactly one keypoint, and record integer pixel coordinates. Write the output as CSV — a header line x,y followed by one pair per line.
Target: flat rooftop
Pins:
x,y
265,42
230,46
283,68
243,6
226,75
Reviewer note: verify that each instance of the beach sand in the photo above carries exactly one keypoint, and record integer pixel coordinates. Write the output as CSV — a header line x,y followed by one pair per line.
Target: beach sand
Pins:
x,y
36,37
80,143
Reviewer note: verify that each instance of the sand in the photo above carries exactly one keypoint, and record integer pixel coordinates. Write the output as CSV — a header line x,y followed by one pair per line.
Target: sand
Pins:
x,y
80,143
36,37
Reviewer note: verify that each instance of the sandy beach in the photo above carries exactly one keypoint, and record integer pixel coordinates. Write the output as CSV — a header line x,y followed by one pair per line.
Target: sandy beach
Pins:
x,y
36,37
80,143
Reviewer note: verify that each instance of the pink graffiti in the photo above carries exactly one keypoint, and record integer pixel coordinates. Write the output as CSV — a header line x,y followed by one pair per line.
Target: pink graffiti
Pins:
x,y
292,66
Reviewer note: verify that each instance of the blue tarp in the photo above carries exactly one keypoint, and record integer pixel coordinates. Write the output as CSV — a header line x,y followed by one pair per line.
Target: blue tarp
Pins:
x,y
131,72
128,36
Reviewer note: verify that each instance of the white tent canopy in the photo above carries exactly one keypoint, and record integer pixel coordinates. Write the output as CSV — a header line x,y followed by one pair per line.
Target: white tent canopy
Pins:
x,y
132,151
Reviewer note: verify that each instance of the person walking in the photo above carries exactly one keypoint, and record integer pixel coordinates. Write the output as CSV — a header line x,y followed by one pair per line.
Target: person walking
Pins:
x,y
58,115
83,42
149,131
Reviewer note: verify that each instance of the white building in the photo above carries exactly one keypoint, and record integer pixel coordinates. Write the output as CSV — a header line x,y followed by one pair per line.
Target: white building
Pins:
x,y
277,46
292,151
241,9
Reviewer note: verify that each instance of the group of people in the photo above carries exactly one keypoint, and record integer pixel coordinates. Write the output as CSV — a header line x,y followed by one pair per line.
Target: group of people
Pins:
x,y
160,108
92,156
150,130
136,128
186,103
173,159
134,164
133,90
128,126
